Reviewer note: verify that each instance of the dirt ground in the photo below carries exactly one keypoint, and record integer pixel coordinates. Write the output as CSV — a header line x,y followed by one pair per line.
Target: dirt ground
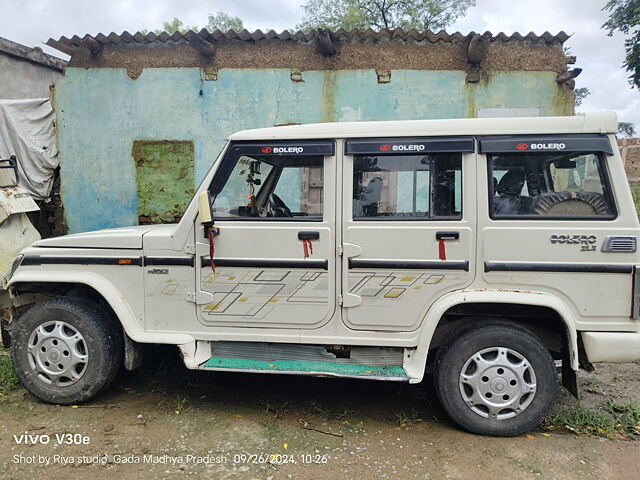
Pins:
x,y
164,421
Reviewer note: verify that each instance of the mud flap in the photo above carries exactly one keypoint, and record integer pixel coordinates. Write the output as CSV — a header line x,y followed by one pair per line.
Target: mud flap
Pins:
x,y
133,353
569,375
6,335
5,318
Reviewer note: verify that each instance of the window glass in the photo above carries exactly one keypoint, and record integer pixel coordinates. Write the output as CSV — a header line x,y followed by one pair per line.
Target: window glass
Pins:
x,y
300,188
266,186
407,186
561,185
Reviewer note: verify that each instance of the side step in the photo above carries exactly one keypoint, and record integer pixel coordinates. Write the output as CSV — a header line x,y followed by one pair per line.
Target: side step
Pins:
x,y
376,363
306,367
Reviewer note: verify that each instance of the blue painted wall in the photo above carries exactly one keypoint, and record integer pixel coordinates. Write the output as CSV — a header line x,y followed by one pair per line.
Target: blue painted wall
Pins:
x,y
101,111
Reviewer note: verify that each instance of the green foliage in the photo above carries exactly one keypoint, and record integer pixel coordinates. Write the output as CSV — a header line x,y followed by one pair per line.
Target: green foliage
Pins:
x,y
223,21
635,192
621,421
216,21
625,17
8,379
174,26
580,95
381,14
626,129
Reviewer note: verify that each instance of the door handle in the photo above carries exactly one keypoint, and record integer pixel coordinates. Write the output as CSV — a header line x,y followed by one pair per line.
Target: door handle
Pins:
x,y
308,235
447,235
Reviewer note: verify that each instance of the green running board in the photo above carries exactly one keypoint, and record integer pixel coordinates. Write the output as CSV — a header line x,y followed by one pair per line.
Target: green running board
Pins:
x,y
306,367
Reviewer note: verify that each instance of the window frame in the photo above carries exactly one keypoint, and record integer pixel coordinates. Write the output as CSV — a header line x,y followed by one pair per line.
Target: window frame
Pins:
x,y
430,218
237,150
603,169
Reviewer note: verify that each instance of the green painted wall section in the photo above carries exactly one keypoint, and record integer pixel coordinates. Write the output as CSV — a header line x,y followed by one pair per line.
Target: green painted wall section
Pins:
x,y
306,366
164,177
101,112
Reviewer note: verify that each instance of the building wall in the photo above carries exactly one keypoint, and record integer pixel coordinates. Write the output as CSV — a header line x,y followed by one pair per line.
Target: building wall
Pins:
x,y
20,78
102,111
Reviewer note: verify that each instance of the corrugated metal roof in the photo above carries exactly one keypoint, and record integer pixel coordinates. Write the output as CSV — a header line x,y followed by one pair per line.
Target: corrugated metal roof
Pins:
x,y
68,45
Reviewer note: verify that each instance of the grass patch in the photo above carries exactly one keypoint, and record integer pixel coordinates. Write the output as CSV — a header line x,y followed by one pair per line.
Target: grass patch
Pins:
x,y
403,418
619,421
8,379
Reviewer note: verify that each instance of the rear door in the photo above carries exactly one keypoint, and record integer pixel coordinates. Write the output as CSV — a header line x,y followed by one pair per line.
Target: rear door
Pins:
x,y
550,222
408,228
274,204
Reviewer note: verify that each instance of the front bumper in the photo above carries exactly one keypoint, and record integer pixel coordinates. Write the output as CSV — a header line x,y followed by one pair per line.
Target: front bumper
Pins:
x,y
612,347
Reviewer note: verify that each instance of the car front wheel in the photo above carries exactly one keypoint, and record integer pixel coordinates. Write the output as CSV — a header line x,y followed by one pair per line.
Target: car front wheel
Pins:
x,y
65,350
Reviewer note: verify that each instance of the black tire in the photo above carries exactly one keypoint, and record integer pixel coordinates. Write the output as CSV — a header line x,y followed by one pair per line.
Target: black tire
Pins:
x,y
455,355
103,342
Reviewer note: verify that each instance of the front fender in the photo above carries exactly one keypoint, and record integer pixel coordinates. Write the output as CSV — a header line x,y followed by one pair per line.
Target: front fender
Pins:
x,y
118,302
415,365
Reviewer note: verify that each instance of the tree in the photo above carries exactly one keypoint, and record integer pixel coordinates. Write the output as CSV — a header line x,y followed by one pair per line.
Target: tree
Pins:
x,y
174,26
580,95
381,14
625,17
626,129
223,21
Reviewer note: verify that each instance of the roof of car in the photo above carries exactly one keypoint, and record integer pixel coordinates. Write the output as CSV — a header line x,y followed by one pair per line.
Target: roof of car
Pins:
x,y
603,123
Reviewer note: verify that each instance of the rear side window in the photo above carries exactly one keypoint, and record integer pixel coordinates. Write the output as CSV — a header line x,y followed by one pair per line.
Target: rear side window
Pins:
x,y
407,186
563,185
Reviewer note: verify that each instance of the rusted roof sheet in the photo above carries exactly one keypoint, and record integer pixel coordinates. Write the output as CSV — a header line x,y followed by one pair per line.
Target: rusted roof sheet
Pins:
x,y
68,45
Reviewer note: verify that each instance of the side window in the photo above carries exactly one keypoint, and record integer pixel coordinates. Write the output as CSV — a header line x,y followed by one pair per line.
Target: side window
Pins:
x,y
300,188
407,186
263,187
550,185
238,193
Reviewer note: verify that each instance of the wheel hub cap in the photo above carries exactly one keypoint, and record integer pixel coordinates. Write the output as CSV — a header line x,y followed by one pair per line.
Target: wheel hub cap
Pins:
x,y
58,353
497,382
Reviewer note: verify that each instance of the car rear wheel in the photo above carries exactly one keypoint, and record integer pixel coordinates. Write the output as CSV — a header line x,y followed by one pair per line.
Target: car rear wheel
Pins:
x,y
65,350
496,379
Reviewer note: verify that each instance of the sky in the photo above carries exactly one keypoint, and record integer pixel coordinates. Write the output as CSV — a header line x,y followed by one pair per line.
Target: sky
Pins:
x,y
32,22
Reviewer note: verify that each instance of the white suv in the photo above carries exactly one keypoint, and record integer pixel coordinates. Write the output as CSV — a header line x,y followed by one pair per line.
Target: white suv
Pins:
x,y
483,250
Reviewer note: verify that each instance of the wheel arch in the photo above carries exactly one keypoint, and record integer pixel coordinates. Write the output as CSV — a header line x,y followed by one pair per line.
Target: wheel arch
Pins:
x,y
106,290
437,314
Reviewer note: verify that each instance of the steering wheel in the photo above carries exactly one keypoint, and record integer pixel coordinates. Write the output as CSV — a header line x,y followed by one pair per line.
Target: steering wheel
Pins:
x,y
275,207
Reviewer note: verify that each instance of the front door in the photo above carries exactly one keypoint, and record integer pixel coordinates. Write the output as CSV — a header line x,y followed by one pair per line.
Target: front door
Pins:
x,y
408,228
275,261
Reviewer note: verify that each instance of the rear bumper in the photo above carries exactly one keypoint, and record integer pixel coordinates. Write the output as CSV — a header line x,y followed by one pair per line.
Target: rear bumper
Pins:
x,y
613,347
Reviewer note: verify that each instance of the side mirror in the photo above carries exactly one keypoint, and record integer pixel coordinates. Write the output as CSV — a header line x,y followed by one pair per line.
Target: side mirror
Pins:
x,y
204,208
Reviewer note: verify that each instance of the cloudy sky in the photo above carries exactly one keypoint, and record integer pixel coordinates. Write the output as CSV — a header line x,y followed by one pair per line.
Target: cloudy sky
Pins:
x,y
32,22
